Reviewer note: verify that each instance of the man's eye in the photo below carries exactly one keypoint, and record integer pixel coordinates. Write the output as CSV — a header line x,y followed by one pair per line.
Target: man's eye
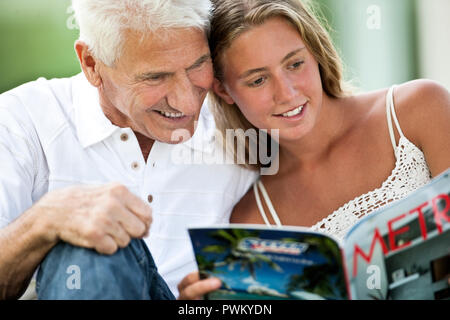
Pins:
x,y
155,78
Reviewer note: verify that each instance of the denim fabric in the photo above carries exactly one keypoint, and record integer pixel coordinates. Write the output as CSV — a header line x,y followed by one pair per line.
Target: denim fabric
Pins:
x,y
70,272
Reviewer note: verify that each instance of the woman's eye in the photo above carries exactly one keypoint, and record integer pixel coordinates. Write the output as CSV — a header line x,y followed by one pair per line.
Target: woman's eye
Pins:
x,y
296,65
257,82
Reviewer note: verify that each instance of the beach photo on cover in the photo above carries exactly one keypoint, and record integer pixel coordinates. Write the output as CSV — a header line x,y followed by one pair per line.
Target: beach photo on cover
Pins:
x,y
224,149
269,264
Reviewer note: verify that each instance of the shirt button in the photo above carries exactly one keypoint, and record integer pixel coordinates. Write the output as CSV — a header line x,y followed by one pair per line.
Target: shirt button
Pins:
x,y
135,166
124,137
150,198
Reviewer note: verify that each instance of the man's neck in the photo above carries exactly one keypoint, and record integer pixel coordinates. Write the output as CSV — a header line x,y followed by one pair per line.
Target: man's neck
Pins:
x,y
120,120
145,143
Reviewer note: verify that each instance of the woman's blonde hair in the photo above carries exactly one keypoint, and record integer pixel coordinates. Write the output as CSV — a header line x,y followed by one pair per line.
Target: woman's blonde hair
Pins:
x,y
231,18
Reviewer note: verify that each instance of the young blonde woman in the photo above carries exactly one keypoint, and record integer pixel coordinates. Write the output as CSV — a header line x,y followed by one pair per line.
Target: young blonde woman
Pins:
x,y
341,155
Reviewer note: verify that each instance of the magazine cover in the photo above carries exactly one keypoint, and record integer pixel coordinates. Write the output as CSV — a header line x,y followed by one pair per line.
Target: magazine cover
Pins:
x,y
255,262
403,251
399,252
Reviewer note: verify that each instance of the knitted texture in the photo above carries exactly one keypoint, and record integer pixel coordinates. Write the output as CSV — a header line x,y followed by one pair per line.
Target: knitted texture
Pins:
x,y
410,173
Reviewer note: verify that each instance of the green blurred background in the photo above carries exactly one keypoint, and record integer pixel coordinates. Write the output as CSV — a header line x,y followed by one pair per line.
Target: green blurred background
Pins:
x,y
382,42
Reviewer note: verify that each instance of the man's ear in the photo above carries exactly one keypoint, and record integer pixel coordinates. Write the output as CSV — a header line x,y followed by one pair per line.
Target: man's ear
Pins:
x,y
220,90
88,63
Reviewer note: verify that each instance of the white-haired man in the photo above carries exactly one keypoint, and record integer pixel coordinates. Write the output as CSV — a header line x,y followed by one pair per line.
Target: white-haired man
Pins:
x,y
86,162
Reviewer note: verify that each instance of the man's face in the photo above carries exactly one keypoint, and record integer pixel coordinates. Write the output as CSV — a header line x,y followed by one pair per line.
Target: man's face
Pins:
x,y
159,83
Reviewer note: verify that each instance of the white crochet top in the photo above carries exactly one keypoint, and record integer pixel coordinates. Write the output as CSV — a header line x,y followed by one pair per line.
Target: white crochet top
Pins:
x,y
410,173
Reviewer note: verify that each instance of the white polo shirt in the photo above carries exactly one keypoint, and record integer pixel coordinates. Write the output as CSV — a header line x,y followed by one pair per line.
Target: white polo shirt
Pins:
x,y
53,134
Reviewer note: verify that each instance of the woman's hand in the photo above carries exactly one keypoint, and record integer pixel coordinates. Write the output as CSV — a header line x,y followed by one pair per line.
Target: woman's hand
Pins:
x,y
192,288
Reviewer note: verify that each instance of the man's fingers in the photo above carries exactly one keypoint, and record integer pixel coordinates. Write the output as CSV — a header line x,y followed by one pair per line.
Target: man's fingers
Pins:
x,y
104,218
119,234
106,245
137,206
132,225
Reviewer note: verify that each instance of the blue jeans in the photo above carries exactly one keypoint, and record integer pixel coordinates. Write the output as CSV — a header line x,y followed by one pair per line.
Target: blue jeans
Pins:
x,y
70,272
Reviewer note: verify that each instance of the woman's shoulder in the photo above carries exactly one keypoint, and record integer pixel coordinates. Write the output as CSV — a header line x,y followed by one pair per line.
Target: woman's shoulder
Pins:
x,y
412,95
418,96
420,104
425,105
417,104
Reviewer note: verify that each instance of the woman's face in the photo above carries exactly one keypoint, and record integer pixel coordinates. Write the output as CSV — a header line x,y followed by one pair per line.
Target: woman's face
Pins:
x,y
273,78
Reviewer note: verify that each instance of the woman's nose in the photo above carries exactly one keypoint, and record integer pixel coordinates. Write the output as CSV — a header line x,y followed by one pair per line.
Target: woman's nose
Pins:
x,y
285,90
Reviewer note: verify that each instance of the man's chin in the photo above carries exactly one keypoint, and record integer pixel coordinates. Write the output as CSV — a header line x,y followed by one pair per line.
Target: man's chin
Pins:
x,y
180,136
176,136
170,132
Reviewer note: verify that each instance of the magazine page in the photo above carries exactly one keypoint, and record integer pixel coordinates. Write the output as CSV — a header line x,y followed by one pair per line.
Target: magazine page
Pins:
x,y
256,262
402,251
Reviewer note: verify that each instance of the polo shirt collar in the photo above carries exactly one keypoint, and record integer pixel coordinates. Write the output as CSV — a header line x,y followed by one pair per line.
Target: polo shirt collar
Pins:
x,y
93,126
91,123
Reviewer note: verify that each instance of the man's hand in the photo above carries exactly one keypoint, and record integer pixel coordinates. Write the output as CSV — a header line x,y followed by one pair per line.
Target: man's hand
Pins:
x,y
192,288
104,218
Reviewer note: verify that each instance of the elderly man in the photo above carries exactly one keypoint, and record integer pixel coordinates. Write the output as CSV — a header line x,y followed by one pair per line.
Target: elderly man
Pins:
x,y
87,167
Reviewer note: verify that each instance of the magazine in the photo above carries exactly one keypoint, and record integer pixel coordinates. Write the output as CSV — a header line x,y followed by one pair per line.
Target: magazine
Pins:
x,y
401,251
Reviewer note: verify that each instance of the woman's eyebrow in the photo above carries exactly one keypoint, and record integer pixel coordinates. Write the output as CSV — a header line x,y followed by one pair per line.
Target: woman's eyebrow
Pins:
x,y
287,57
291,54
250,72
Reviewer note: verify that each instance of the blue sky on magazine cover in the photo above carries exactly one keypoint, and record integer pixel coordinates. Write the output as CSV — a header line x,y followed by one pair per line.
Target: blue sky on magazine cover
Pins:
x,y
267,279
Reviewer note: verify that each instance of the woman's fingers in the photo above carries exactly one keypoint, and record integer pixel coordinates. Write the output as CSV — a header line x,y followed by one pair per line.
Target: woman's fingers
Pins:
x,y
192,288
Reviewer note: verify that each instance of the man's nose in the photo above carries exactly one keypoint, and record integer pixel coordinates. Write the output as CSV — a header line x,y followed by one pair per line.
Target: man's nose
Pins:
x,y
285,89
184,96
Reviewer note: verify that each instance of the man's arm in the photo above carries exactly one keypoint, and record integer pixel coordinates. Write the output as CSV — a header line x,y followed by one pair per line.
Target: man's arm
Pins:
x,y
103,218
22,247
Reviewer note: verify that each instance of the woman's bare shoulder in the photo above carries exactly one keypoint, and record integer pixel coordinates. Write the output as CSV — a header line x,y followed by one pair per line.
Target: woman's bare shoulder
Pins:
x,y
425,107
420,104
419,95
416,103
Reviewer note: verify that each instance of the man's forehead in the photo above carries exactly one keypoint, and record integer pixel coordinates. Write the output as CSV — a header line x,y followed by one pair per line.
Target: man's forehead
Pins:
x,y
165,46
167,39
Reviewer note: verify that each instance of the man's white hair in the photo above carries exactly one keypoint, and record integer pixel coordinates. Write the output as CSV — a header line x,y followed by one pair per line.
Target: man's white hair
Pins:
x,y
103,22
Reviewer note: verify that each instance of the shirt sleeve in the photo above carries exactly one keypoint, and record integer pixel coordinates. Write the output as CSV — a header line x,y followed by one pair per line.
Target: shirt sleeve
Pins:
x,y
19,160
248,178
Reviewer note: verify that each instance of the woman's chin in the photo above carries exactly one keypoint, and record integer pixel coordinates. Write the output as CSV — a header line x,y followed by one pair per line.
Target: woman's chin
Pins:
x,y
291,135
